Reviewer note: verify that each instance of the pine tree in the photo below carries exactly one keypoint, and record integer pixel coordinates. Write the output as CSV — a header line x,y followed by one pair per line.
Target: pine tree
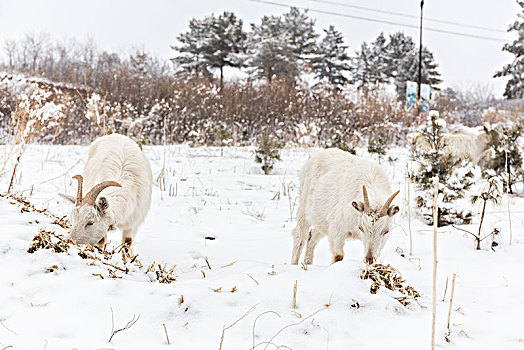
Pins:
x,y
361,74
401,61
331,59
268,152
378,59
215,42
399,54
269,50
430,73
368,66
515,69
301,34
455,177
192,48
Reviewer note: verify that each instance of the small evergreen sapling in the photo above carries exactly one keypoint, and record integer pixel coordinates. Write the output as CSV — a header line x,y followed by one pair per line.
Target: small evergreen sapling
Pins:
x,y
378,144
337,141
455,177
268,152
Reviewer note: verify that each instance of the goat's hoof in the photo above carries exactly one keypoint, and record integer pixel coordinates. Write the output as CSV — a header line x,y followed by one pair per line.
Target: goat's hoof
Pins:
x,y
338,258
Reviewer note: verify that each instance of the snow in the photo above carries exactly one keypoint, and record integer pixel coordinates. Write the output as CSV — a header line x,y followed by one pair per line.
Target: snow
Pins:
x,y
222,193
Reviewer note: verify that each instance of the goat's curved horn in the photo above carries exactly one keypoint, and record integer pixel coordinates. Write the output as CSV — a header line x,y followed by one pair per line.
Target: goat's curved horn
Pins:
x,y
367,210
385,207
95,191
80,180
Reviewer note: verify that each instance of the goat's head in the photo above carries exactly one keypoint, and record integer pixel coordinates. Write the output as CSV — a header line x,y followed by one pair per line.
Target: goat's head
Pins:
x,y
374,224
90,218
489,137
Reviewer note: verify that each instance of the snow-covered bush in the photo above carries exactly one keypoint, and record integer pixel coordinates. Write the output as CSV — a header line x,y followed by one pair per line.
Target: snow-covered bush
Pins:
x,y
377,143
455,176
337,141
307,134
35,115
268,152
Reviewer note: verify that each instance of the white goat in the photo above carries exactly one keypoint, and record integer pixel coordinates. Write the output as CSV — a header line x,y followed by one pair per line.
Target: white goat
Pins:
x,y
118,178
342,196
462,145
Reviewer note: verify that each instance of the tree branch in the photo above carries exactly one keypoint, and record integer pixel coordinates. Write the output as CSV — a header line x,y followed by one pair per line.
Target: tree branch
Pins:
x,y
129,324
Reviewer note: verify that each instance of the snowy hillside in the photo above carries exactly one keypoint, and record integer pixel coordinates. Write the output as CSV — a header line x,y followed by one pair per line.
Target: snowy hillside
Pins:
x,y
217,205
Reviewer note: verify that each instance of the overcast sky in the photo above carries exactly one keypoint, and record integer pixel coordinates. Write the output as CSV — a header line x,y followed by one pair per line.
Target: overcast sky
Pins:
x,y
153,25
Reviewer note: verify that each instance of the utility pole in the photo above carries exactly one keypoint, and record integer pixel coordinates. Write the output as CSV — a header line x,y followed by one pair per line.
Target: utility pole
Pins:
x,y
420,53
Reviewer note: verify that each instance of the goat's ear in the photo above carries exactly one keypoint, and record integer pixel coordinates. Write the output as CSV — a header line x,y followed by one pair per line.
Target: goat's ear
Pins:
x,y
358,206
393,210
69,198
102,205
485,129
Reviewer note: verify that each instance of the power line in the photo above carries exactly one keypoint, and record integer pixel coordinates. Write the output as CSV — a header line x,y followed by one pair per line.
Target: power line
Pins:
x,y
437,30
400,14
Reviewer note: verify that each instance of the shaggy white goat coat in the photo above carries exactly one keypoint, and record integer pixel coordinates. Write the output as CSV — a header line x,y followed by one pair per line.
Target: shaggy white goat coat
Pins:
x,y
118,158
329,182
460,145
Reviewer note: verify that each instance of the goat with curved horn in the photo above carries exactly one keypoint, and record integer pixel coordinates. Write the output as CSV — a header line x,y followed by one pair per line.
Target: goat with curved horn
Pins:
x,y
91,196
384,210
114,161
337,192
80,180
367,208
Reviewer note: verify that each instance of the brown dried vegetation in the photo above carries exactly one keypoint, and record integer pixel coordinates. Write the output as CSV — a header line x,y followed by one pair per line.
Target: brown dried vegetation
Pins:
x,y
392,279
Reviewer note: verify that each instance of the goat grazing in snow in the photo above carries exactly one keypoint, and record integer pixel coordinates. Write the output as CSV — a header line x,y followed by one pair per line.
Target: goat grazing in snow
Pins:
x,y
118,178
342,196
462,145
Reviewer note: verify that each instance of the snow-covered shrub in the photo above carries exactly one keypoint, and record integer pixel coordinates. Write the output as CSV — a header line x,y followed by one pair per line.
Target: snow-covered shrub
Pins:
x,y
307,134
337,141
377,143
267,152
35,115
455,177
221,135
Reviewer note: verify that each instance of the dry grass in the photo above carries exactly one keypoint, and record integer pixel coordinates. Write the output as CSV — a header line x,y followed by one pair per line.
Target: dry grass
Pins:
x,y
119,261
26,206
47,239
36,114
392,279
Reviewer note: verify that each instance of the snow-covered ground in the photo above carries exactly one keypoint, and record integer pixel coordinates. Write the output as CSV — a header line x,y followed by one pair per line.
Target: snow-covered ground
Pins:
x,y
222,193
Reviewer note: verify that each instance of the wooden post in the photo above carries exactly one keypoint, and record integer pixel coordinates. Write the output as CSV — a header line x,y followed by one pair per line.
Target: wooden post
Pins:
x,y
451,299
13,175
295,295
507,189
435,222
409,212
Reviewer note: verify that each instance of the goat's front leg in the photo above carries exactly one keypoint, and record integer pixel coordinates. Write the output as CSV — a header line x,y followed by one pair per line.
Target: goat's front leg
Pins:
x,y
314,237
127,238
336,245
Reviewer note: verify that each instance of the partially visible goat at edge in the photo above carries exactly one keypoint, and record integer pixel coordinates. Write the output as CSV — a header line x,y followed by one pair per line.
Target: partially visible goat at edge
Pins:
x,y
118,179
462,145
342,196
